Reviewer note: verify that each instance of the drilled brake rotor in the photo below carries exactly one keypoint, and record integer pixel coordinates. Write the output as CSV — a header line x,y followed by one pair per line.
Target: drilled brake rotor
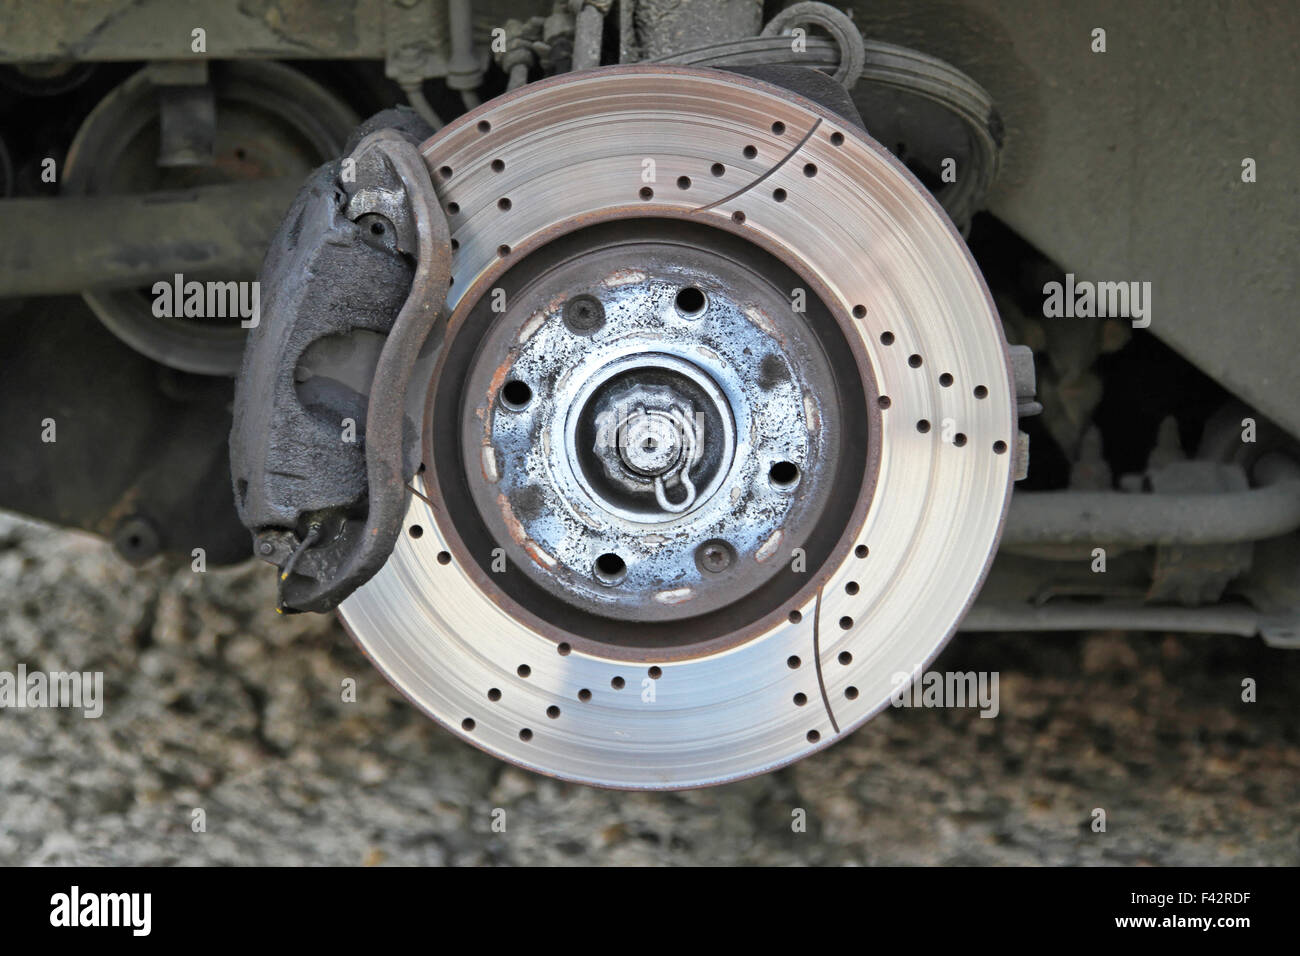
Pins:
x,y
806,411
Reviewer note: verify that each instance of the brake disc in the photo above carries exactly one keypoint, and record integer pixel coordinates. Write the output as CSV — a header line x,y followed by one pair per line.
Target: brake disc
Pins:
x,y
716,448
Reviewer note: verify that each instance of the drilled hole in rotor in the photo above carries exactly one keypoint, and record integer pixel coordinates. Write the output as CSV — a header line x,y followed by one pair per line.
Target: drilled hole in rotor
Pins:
x,y
444,557
523,670
784,474
813,736
999,447
416,531
846,622
444,172
503,250
617,683
646,193
525,734
750,152
981,391
779,195
691,301
923,426
563,649
914,360
945,379
883,401
504,204
553,712
959,439
610,569
498,165
515,395
851,587
810,170
837,139
584,695
800,699
851,693
845,658
655,673
778,128
717,169
738,218
793,661
467,724
453,208
484,126
886,338
859,311
494,695
795,617
862,551
683,182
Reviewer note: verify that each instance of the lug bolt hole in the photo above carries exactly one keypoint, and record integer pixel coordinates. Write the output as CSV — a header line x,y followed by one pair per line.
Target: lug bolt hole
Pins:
x,y
515,395
784,474
691,301
610,569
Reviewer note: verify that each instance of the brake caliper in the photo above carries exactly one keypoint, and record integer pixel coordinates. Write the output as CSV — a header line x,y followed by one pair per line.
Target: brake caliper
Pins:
x,y
325,441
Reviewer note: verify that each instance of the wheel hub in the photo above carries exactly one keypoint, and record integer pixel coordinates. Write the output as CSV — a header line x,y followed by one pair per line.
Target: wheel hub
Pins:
x,y
701,408
715,442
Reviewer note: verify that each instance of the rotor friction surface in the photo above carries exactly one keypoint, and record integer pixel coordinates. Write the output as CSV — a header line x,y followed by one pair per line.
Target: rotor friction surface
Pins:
x,y
743,156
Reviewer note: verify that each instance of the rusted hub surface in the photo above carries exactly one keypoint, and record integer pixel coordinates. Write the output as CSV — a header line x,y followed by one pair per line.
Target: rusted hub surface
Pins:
x,y
590,202
704,407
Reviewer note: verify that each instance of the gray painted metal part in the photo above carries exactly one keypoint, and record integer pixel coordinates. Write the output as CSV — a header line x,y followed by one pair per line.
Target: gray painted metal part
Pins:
x,y
321,465
120,241
1101,518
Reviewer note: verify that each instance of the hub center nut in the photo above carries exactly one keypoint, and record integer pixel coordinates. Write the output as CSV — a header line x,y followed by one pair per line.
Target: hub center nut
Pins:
x,y
648,439
650,442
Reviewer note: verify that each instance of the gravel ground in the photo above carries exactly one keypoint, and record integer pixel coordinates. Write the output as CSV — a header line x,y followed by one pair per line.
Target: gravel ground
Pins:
x,y
215,702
